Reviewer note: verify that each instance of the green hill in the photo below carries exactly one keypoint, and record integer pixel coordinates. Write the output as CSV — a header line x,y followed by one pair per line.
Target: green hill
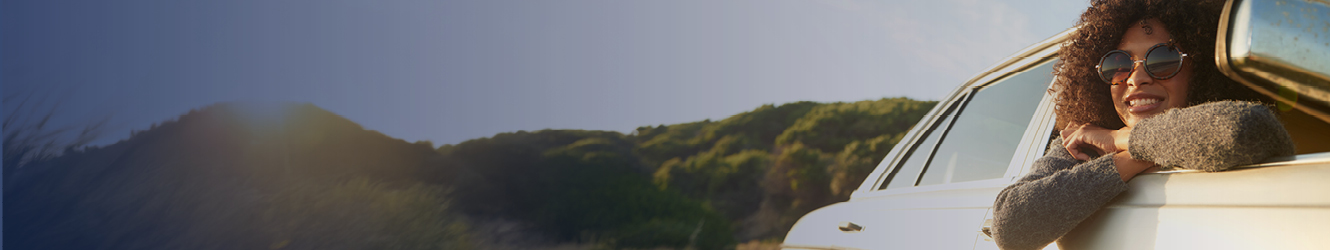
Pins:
x,y
759,170
765,168
294,176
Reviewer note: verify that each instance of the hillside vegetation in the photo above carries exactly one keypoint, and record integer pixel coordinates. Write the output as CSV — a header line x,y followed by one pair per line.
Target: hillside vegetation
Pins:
x,y
236,176
765,168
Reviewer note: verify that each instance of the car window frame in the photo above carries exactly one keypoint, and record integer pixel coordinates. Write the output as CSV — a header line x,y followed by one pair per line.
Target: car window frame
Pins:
x,y
1029,148
952,109
1030,145
1031,128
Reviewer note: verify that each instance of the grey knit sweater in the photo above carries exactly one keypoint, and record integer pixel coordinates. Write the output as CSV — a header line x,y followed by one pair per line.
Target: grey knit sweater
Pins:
x,y
1060,191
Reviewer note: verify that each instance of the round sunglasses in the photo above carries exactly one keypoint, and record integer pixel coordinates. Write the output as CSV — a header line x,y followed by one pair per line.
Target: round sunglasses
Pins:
x,y
1162,61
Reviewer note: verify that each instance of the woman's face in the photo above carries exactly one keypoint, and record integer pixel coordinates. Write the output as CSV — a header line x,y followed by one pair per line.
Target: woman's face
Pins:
x,y
1143,96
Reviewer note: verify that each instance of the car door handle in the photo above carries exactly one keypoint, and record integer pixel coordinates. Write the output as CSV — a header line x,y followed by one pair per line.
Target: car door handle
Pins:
x,y
846,226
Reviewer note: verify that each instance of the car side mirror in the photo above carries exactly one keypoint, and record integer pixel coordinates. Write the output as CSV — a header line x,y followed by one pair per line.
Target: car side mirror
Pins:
x,y
1280,48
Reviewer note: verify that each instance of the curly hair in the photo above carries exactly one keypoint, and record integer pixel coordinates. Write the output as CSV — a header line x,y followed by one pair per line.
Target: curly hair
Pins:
x,y
1084,98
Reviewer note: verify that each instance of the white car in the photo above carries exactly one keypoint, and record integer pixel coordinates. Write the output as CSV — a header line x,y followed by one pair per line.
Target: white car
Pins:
x,y
935,190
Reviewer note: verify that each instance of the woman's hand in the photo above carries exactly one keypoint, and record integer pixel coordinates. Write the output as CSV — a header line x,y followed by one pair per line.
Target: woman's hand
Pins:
x,y
1078,138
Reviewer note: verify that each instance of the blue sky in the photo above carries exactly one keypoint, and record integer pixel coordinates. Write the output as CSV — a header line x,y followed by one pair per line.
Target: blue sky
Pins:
x,y
448,71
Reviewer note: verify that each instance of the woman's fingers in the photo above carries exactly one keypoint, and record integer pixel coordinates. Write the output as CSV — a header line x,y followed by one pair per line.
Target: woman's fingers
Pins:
x,y
1077,152
1101,138
1082,138
1068,140
1073,142
1074,151
1074,139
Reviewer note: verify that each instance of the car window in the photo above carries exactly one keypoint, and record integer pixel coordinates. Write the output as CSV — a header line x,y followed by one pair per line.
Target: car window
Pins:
x,y
907,170
987,130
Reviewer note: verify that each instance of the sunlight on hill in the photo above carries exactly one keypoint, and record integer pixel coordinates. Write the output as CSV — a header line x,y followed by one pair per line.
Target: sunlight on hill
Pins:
x,y
231,176
263,115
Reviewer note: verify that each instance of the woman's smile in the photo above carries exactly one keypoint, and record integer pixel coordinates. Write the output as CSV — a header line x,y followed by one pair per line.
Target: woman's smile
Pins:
x,y
1142,104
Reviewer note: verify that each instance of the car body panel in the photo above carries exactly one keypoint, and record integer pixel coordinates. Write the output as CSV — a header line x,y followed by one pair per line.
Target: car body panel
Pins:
x,y
1239,209
954,212
1283,203
882,219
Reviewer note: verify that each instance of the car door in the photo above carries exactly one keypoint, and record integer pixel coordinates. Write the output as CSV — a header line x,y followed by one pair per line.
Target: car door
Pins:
x,y
934,190
1276,48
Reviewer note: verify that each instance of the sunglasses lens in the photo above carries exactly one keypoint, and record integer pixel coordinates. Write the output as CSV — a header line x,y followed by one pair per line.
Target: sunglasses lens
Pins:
x,y
1163,61
1115,67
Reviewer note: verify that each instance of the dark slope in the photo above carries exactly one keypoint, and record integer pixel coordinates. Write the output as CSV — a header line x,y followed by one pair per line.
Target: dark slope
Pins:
x,y
217,178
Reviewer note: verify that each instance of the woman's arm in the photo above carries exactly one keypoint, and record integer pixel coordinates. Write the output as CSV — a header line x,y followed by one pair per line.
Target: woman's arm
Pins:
x,y
1061,191
1212,136
1057,194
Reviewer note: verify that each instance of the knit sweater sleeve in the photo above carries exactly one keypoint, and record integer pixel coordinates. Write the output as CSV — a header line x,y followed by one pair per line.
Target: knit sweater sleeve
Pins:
x,y
1211,137
1058,193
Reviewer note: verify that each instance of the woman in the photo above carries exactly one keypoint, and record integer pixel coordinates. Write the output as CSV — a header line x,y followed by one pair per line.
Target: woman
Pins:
x,y
1139,89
